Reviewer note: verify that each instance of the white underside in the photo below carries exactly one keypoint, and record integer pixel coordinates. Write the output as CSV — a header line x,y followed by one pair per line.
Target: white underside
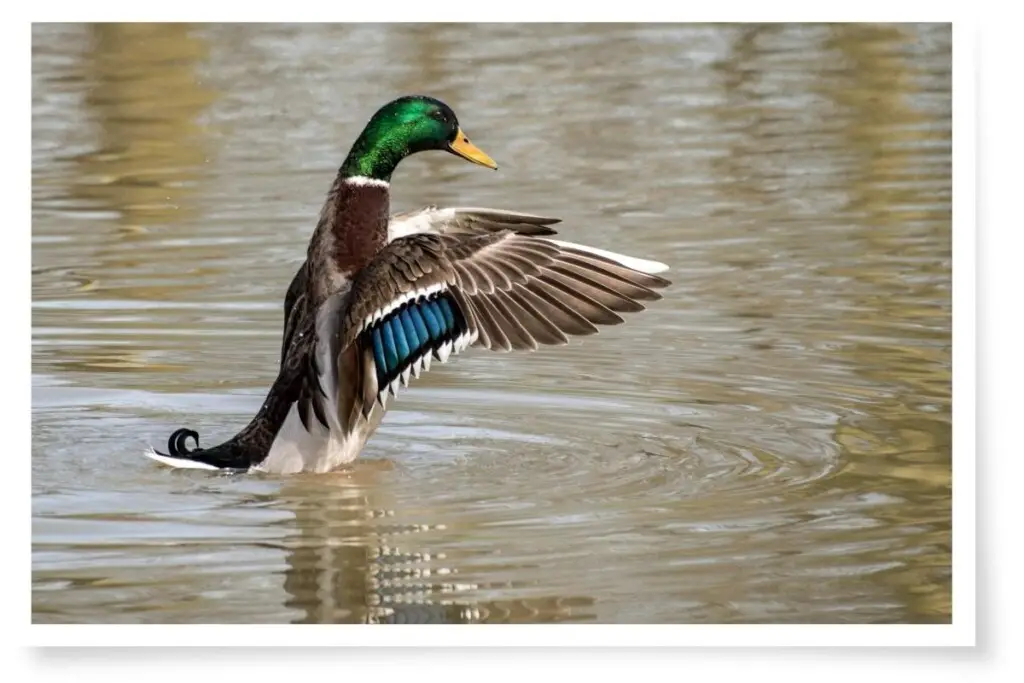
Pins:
x,y
643,265
297,450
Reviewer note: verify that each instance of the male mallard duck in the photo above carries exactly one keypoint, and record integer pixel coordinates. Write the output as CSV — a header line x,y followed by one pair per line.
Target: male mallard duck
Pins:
x,y
377,298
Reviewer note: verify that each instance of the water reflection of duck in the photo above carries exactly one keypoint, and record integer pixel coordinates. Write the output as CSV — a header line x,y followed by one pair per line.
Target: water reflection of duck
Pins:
x,y
354,558
378,297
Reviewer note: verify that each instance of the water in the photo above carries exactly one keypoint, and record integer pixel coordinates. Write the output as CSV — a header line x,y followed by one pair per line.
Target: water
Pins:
x,y
769,443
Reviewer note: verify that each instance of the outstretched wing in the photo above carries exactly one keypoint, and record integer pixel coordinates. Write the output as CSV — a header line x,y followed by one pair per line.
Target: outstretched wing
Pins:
x,y
429,295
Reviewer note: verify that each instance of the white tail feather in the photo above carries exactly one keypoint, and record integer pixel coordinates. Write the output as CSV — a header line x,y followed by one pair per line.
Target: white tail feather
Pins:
x,y
180,463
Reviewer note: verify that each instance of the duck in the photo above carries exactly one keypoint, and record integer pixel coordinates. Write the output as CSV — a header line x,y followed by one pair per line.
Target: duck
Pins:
x,y
380,297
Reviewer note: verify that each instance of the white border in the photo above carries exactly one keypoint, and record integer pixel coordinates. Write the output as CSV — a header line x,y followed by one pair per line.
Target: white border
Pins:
x,y
964,296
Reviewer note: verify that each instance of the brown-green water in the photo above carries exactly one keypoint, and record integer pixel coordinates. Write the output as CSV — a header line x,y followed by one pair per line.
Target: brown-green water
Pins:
x,y
769,443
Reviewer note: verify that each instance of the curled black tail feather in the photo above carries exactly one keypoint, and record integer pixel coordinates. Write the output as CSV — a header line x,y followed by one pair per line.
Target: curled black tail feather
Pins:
x,y
176,443
229,455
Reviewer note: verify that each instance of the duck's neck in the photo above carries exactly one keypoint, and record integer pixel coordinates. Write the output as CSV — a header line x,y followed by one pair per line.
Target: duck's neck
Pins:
x,y
353,227
376,152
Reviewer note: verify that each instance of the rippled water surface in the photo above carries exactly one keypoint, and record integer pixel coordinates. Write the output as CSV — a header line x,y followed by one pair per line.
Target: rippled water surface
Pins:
x,y
769,443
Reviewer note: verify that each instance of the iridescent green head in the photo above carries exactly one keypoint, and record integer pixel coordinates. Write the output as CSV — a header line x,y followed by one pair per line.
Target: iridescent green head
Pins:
x,y
406,126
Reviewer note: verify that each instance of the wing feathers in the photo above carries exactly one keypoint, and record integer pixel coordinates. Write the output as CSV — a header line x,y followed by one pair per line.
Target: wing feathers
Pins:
x,y
491,326
499,289
509,320
599,286
578,295
558,309
539,325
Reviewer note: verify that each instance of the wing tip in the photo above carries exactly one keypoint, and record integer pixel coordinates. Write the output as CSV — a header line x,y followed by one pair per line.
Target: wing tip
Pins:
x,y
642,265
654,267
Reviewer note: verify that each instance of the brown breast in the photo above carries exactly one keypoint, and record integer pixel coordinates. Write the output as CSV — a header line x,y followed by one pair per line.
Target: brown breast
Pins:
x,y
353,228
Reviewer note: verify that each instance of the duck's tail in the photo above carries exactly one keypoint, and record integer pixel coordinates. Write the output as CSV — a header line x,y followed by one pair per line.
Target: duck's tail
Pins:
x,y
217,458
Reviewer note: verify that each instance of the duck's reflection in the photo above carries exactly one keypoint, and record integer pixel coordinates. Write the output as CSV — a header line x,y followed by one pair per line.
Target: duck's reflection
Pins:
x,y
351,561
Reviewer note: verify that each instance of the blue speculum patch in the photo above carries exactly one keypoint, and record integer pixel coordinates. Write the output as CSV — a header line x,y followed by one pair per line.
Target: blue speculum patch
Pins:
x,y
409,332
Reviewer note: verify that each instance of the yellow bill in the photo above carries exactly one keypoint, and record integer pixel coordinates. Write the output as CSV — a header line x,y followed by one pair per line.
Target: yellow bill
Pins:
x,y
470,152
